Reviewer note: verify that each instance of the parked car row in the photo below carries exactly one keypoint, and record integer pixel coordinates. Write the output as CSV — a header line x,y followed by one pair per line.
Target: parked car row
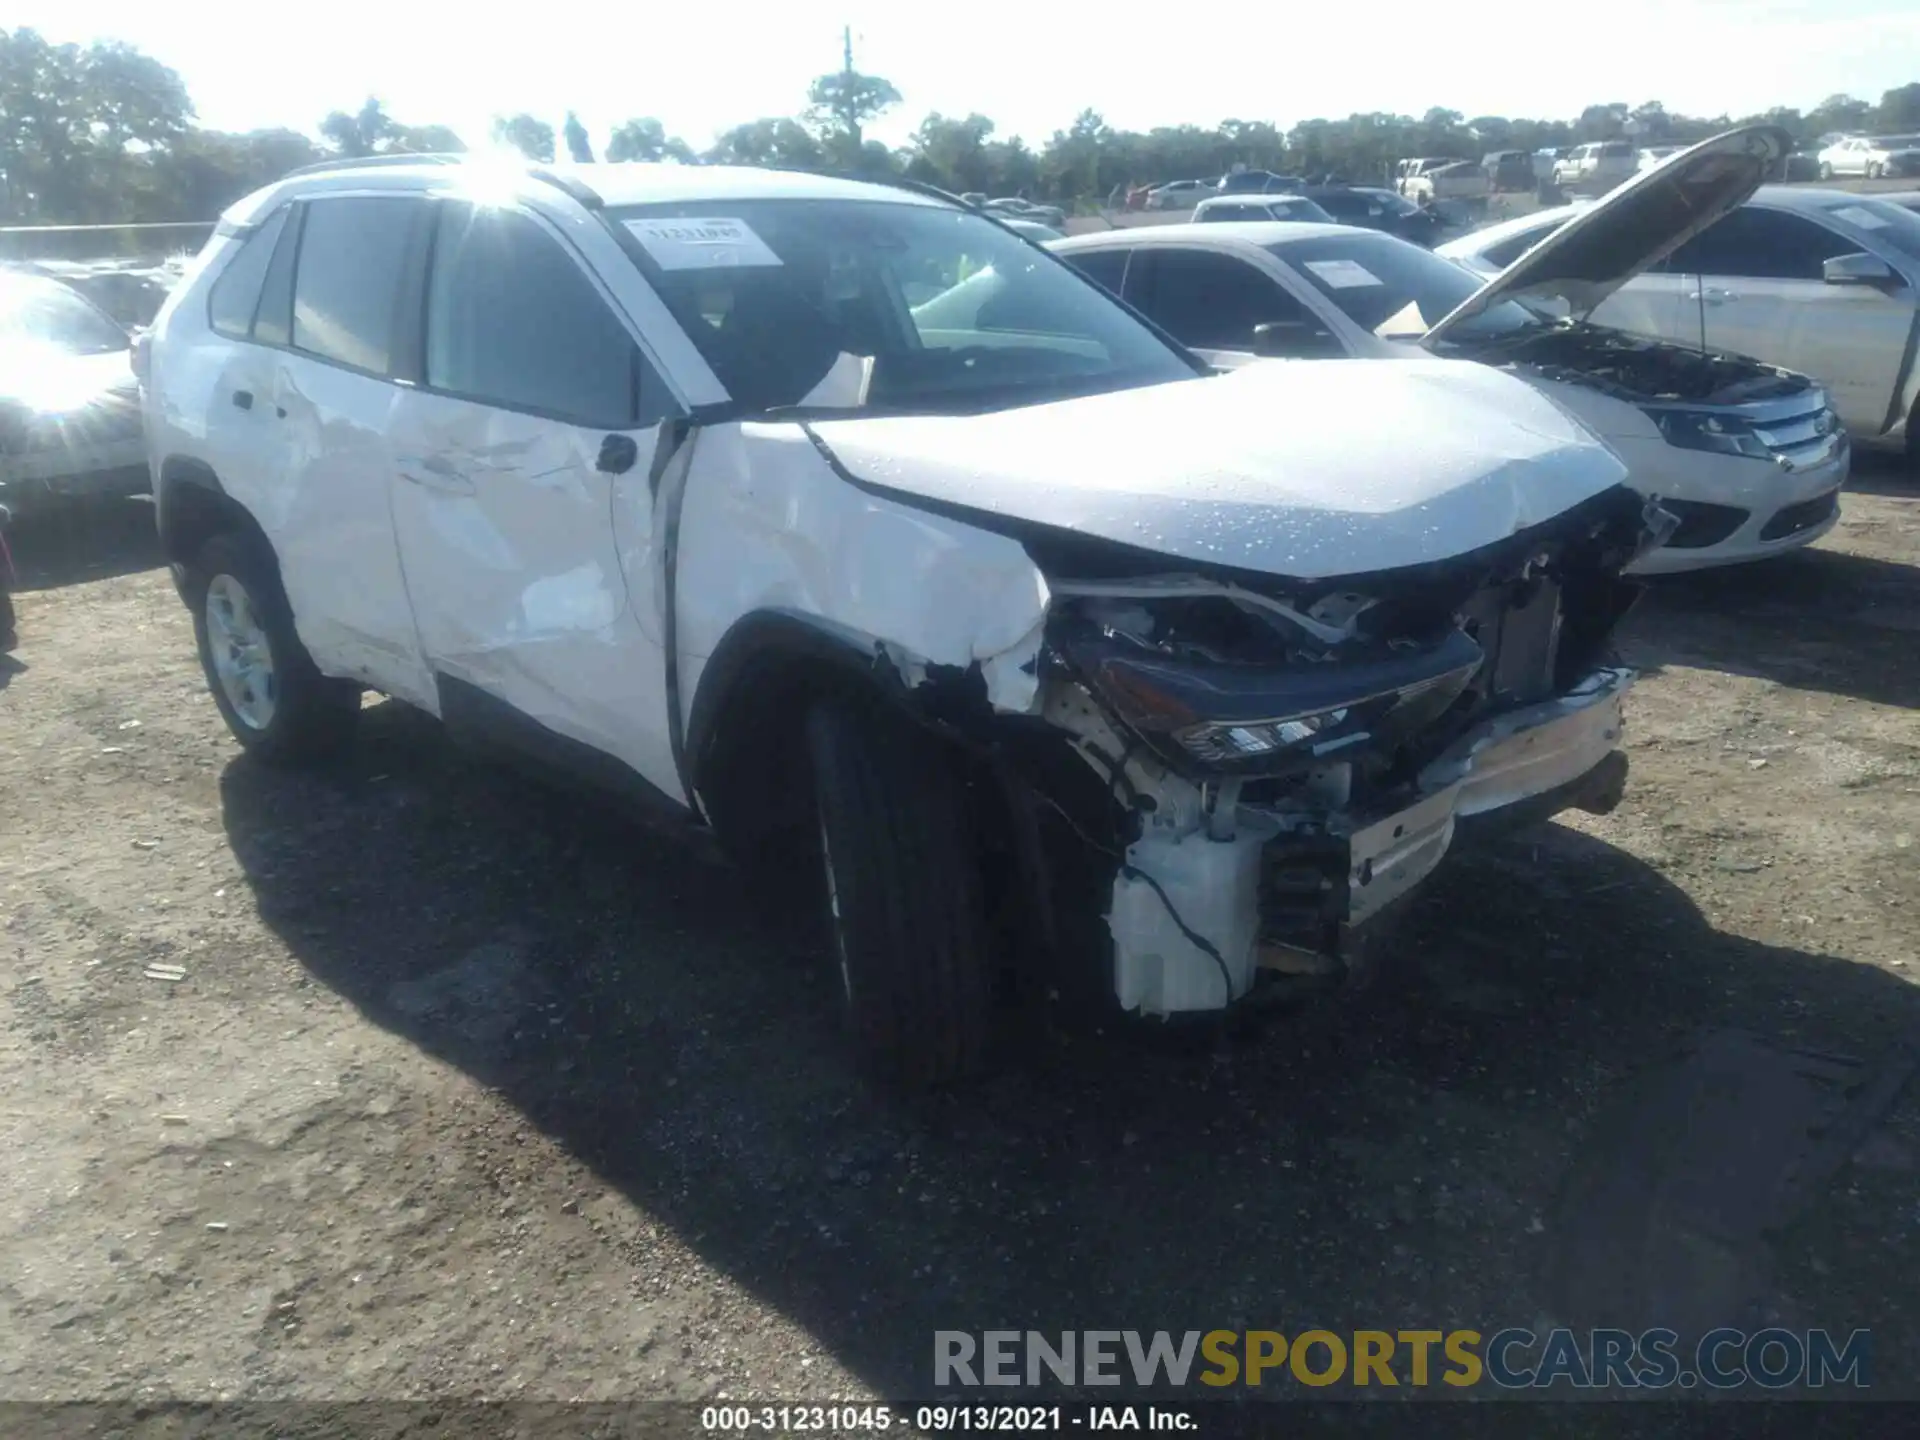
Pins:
x,y
1871,157
1749,456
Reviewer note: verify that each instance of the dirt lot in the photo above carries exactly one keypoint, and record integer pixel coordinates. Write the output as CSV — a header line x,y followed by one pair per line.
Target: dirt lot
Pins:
x,y
466,1093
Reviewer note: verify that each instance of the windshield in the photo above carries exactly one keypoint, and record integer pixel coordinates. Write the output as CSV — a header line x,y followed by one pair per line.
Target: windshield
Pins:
x,y
954,313
45,312
1391,203
1394,289
1888,223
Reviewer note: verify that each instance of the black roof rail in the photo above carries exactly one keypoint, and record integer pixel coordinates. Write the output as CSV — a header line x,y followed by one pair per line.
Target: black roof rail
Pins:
x,y
571,185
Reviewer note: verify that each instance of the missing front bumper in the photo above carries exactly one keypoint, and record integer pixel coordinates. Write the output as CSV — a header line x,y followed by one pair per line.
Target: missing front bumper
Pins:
x,y
1300,902
1518,768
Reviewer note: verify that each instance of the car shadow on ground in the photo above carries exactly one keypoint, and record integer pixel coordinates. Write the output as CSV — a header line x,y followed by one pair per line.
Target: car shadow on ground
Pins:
x,y
1396,1160
1817,619
77,543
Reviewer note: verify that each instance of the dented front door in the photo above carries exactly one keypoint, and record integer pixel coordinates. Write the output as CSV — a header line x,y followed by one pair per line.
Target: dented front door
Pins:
x,y
536,419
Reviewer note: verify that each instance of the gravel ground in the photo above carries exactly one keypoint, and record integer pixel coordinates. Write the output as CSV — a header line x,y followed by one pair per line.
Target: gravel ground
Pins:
x,y
458,1091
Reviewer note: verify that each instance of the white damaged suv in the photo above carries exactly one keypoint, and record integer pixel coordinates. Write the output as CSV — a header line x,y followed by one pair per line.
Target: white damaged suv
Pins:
x,y
1065,658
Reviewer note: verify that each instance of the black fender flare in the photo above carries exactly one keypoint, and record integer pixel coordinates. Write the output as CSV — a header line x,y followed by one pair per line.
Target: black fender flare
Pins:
x,y
766,641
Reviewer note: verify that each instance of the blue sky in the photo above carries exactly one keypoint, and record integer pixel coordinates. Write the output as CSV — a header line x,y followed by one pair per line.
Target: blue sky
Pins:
x,y
1031,67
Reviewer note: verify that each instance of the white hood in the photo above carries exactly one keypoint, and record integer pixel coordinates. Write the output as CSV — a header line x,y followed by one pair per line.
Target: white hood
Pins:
x,y
1306,469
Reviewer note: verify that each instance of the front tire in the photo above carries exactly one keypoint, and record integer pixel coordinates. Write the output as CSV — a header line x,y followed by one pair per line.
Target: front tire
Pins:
x,y
1826,171
275,701
904,894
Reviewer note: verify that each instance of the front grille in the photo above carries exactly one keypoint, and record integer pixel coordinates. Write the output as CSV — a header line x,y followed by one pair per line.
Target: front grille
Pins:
x,y
1702,524
1803,435
1804,516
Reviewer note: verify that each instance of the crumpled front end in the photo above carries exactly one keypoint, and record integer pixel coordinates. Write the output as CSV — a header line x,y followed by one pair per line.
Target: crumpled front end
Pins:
x,y
1280,763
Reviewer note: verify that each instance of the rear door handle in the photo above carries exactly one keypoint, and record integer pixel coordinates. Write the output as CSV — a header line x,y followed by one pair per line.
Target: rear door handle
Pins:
x,y
1713,297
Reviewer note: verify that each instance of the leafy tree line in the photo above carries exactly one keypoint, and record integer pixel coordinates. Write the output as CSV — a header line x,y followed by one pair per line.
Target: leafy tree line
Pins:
x,y
103,133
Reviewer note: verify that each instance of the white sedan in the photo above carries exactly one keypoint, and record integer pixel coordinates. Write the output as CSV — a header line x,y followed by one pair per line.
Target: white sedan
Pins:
x,y
1820,281
1749,457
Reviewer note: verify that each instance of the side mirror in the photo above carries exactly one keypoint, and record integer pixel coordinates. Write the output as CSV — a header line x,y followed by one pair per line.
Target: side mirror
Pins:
x,y
1295,340
1857,269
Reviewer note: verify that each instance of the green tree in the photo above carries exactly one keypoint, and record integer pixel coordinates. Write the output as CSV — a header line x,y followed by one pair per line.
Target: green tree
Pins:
x,y
579,148
647,140
531,137
1900,109
359,134
422,140
782,142
841,104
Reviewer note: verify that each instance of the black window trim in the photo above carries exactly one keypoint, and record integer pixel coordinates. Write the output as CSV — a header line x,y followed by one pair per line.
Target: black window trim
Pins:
x,y
297,220
418,283
407,363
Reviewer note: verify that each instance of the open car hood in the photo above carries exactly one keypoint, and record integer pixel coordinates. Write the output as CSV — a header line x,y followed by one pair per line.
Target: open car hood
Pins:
x,y
1305,469
1634,226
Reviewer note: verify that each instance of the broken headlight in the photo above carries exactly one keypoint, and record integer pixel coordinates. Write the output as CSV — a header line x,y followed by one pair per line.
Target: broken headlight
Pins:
x,y
1223,714
1705,430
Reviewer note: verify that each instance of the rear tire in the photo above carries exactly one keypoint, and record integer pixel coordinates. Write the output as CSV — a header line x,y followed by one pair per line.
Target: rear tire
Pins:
x,y
904,895
275,701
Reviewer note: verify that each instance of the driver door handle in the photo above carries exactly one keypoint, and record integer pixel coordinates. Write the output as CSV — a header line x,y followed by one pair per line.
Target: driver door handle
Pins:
x,y
1707,295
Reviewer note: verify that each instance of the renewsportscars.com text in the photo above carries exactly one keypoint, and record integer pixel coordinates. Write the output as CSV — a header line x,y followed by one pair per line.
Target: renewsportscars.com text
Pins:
x,y
1508,1359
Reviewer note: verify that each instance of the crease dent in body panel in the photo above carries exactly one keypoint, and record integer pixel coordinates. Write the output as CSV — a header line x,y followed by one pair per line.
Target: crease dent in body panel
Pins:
x,y
786,531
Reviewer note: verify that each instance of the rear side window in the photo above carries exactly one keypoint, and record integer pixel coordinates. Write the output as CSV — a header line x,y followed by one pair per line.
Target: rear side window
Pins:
x,y
236,293
353,254
513,321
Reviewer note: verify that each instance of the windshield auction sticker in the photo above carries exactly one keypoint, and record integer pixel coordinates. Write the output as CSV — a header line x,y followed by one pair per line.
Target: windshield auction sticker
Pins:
x,y
702,243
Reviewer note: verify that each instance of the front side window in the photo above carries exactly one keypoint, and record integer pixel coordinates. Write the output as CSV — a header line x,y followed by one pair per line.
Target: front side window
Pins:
x,y
236,294
956,314
1393,289
513,321
1213,301
44,313
1754,243
353,253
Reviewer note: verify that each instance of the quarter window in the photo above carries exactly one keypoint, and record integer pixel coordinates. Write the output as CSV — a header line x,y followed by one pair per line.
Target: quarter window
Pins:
x,y
513,321
236,294
353,253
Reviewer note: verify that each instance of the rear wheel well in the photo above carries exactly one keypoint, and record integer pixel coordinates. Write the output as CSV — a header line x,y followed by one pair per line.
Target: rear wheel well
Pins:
x,y
193,508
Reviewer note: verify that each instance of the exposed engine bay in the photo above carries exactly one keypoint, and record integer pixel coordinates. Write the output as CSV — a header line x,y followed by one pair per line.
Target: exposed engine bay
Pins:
x,y
1632,367
1269,766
